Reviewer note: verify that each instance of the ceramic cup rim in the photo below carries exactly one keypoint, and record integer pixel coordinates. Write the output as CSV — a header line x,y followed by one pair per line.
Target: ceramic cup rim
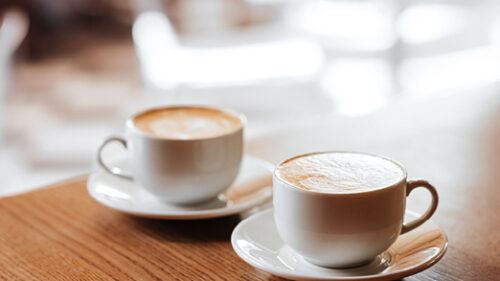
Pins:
x,y
130,124
401,179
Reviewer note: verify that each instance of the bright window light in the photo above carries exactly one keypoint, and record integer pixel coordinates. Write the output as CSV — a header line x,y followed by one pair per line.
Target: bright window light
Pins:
x,y
166,64
427,22
358,24
463,69
358,86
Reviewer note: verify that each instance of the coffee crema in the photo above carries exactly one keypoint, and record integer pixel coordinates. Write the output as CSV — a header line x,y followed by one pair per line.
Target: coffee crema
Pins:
x,y
187,123
339,172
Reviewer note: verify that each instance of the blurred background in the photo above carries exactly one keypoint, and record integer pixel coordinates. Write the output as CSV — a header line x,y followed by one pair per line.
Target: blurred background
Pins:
x,y
71,71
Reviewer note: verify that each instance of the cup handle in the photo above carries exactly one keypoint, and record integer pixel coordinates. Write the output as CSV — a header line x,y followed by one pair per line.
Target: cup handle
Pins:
x,y
112,170
411,185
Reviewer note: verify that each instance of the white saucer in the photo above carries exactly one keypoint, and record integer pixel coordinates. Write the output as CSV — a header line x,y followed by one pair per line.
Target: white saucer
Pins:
x,y
251,188
256,241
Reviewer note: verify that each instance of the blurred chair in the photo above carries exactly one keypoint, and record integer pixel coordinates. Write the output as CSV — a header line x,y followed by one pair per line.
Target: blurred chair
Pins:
x,y
13,28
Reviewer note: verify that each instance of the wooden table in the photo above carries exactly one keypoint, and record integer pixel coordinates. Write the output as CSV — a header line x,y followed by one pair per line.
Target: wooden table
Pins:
x,y
59,232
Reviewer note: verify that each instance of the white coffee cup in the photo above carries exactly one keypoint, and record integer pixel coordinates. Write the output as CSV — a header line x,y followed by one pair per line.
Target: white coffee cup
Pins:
x,y
344,229
181,171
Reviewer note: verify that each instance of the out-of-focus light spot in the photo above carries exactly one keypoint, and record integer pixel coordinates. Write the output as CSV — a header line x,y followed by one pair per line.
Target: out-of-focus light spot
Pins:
x,y
270,2
166,64
358,86
427,22
463,69
494,32
110,192
358,25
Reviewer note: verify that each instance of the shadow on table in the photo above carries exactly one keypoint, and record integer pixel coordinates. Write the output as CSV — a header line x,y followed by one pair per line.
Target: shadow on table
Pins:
x,y
218,229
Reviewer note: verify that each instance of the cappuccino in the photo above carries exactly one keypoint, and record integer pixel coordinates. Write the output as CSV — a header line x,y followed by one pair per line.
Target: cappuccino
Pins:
x,y
187,123
343,209
339,172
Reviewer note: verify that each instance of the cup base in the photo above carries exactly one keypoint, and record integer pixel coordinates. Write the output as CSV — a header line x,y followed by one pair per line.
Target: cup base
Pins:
x,y
381,260
213,202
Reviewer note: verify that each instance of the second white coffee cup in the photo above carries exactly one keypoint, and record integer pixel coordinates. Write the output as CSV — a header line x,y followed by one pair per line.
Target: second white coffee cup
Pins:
x,y
344,229
180,170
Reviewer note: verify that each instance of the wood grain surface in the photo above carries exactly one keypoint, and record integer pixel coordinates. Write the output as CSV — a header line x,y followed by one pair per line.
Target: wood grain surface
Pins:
x,y
60,233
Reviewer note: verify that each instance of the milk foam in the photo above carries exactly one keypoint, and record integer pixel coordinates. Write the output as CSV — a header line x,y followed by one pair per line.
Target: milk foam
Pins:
x,y
187,123
340,172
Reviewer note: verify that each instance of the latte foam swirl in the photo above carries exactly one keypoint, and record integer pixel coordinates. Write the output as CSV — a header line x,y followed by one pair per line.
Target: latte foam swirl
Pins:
x,y
187,123
340,172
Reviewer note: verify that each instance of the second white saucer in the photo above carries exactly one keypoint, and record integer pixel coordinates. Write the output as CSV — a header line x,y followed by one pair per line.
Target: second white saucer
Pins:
x,y
251,188
256,241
